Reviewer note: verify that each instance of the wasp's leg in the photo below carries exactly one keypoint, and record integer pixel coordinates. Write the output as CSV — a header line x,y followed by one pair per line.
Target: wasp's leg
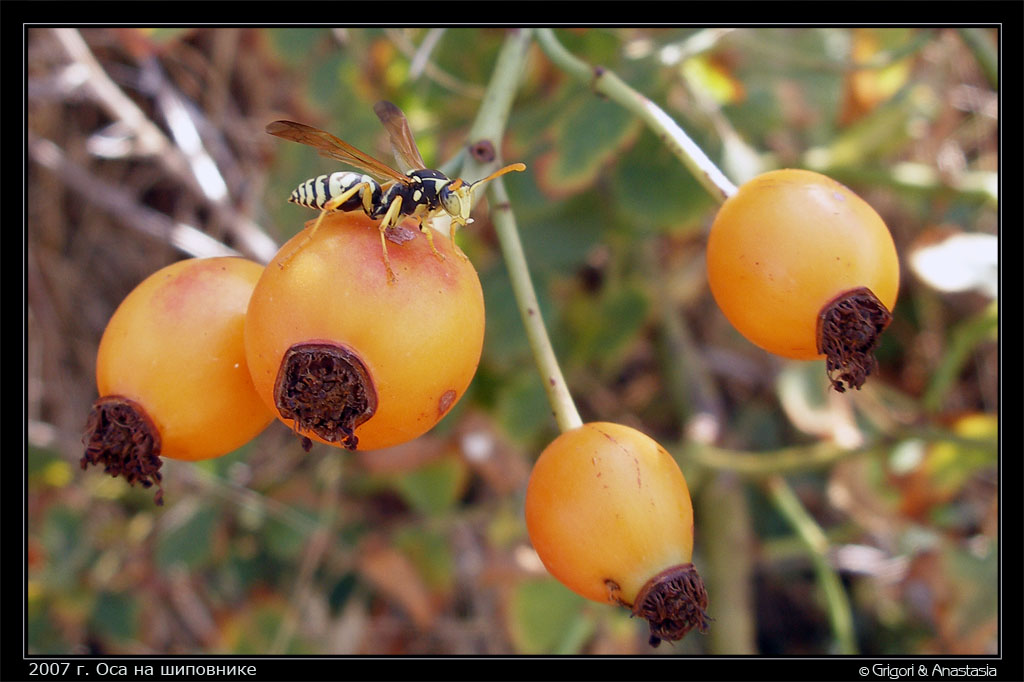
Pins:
x,y
455,248
331,205
426,229
390,218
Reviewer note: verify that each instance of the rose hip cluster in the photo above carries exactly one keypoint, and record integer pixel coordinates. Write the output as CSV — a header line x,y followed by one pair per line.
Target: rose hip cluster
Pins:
x,y
360,354
205,353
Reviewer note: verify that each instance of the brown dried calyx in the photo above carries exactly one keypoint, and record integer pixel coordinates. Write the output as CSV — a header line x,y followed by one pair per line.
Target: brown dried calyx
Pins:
x,y
849,328
673,602
327,390
121,436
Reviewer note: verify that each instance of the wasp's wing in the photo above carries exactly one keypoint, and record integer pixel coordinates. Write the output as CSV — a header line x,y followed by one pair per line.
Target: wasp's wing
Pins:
x,y
403,144
330,146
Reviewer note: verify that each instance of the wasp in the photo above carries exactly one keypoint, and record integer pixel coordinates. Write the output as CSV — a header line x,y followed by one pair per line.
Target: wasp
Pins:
x,y
381,191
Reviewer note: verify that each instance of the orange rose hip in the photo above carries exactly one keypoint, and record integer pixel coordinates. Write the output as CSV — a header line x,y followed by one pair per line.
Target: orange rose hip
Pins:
x,y
804,268
345,356
171,371
609,513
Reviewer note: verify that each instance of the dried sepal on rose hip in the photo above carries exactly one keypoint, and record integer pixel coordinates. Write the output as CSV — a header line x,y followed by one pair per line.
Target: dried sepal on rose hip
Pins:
x,y
804,268
171,372
344,355
609,513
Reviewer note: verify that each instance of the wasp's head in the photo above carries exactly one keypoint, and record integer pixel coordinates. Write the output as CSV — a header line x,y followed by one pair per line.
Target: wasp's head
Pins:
x,y
457,196
457,201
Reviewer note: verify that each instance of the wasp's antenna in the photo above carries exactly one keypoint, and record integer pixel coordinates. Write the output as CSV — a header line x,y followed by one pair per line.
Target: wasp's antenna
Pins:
x,y
500,171
457,185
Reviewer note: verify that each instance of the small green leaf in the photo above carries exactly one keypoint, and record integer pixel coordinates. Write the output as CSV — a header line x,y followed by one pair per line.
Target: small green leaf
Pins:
x,y
600,330
558,242
190,542
433,487
586,141
431,553
546,617
596,46
522,407
965,337
654,192
507,346
283,540
296,45
116,615
62,536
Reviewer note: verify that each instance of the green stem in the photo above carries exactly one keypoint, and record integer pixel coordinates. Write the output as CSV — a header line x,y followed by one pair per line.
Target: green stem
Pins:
x,y
607,83
728,563
814,539
497,102
782,460
489,124
816,456
562,405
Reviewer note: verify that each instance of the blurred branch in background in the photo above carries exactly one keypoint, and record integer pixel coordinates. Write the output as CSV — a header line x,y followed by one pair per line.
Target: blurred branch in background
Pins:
x,y
607,83
488,126
134,135
421,64
814,539
189,239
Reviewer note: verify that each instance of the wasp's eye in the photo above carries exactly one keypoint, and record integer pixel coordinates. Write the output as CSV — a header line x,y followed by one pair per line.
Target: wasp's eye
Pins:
x,y
451,202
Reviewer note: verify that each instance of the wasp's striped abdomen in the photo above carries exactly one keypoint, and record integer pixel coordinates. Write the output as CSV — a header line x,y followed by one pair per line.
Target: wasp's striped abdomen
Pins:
x,y
317,192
